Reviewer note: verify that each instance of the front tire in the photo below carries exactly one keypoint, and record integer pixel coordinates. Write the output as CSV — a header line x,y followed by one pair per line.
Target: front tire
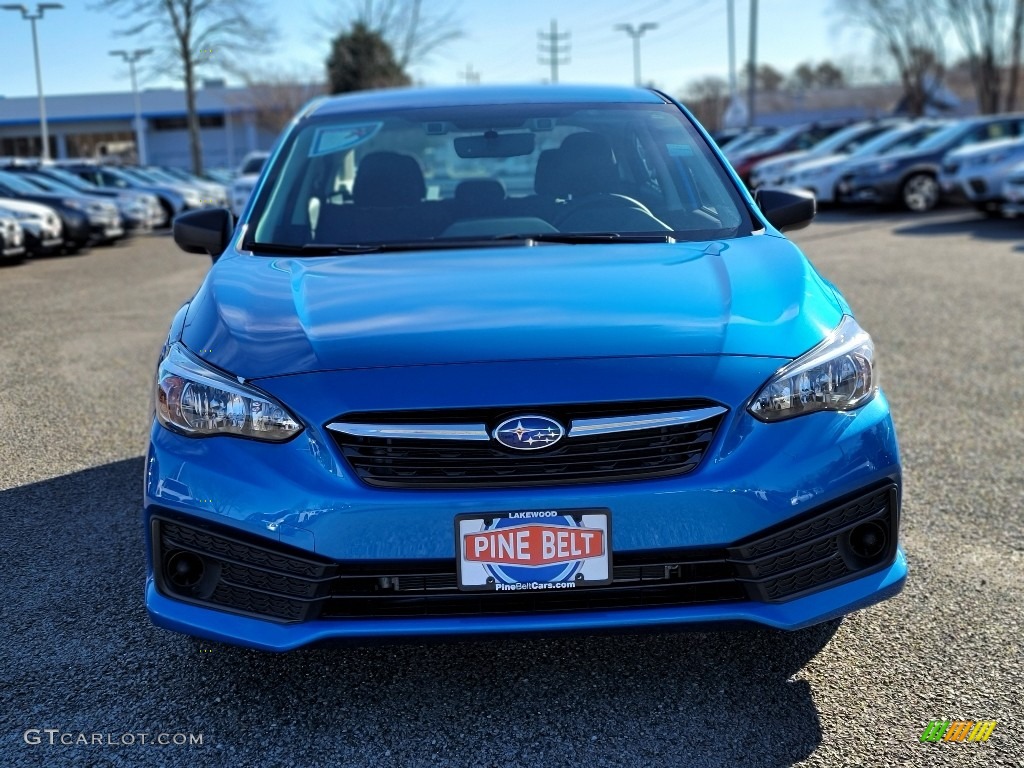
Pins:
x,y
920,192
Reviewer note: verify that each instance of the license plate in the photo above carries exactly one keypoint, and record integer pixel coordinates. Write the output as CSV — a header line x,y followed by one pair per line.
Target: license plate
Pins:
x,y
113,232
533,550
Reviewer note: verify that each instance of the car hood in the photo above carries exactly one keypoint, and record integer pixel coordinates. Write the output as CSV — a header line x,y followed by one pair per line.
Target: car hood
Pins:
x,y
825,161
35,209
258,316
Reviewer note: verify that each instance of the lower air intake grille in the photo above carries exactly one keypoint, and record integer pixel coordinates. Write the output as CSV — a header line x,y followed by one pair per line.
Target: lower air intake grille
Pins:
x,y
817,551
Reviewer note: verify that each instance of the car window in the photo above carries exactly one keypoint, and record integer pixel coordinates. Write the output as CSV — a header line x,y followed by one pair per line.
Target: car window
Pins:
x,y
496,171
253,165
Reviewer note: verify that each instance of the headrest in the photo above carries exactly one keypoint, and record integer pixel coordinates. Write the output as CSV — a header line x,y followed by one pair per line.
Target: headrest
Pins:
x,y
480,192
385,179
548,179
588,163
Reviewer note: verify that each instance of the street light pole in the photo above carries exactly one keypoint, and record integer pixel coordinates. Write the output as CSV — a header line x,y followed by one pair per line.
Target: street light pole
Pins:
x,y
636,33
40,10
140,135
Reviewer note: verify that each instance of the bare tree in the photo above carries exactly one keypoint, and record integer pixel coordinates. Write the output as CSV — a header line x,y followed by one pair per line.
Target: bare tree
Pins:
x,y
707,99
911,34
990,32
274,96
190,35
413,32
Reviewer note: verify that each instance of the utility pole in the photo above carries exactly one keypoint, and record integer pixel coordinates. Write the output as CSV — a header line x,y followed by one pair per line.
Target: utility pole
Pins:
x,y
636,33
140,134
41,9
736,112
752,81
554,45
470,76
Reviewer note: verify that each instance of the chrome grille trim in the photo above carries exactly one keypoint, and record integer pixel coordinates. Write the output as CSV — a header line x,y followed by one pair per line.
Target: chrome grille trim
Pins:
x,y
585,427
413,431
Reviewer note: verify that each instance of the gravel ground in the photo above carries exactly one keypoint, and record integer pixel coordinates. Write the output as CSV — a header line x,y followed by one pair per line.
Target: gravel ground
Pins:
x,y
942,297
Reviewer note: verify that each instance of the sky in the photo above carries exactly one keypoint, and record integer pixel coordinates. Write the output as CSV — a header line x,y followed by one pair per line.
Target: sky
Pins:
x,y
500,42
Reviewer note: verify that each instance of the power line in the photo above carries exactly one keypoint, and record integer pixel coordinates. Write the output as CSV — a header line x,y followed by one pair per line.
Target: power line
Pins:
x,y
555,46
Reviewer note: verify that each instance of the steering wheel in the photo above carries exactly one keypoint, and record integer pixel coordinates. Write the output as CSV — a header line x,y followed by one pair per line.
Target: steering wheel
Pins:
x,y
601,200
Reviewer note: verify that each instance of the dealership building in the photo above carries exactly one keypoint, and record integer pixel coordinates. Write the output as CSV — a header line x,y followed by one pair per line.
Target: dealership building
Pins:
x,y
98,124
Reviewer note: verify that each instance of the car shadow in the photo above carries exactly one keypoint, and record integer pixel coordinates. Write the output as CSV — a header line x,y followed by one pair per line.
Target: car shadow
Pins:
x,y
87,658
972,224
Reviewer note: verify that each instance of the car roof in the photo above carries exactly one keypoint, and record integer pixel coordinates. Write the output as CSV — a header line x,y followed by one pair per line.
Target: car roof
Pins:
x,y
479,95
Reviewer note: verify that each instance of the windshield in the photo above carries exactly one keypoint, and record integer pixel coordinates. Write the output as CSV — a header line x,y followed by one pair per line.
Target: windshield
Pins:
x,y
12,181
69,179
139,175
495,172
51,185
941,138
849,140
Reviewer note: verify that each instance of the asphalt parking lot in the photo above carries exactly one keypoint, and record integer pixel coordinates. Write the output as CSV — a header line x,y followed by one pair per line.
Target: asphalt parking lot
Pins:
x,y
941,294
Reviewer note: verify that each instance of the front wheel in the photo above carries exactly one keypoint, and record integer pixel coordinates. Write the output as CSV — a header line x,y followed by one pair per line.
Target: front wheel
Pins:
x,y
920,192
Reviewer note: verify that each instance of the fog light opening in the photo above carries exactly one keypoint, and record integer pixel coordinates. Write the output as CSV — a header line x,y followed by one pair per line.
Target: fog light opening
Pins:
x,y
185,569
869,540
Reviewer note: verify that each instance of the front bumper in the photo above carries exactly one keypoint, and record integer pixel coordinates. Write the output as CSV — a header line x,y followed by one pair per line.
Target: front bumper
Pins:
x,y
756,480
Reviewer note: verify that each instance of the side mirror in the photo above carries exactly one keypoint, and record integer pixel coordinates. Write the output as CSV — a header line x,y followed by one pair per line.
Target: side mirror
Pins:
x,y
204,231
786,209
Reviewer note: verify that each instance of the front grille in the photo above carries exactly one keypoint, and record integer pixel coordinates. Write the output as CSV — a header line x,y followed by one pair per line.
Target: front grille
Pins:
x,y
796,558
597,458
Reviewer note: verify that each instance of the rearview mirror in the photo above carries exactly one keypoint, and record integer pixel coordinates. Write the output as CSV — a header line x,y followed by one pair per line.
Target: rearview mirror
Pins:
x,y
786,209
494,144
205,231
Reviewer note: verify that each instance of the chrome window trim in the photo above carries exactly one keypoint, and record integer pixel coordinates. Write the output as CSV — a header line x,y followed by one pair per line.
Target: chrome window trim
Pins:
x,y
414,431
585,427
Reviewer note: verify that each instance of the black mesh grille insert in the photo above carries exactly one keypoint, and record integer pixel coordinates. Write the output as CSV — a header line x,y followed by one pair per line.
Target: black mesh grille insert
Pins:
x,y
598,458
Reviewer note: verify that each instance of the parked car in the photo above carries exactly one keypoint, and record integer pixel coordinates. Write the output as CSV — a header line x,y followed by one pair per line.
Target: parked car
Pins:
x,y
911,178
105,222
822,175
140,211
81,223
772,171
245,181
214,194
12,239
171,200
794,138
619,400
1013,192
41,226
977,172
747,137
190,193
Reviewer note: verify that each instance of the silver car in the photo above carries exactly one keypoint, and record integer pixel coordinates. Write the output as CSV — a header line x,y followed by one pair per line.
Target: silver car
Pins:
x,y
979,171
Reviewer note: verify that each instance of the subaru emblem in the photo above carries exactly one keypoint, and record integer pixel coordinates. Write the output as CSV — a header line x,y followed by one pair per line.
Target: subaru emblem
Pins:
x,y
528,433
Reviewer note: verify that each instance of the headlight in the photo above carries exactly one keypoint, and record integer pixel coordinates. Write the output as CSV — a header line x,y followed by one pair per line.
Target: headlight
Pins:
x,y
837,375
192,199
197,400
70,202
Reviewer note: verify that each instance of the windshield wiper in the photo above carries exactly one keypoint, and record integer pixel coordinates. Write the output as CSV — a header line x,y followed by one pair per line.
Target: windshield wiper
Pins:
x,y
511,240
592,237
354,249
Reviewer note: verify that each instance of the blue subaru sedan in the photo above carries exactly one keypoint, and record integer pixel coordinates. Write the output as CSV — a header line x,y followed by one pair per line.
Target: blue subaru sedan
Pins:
x,y
485,361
